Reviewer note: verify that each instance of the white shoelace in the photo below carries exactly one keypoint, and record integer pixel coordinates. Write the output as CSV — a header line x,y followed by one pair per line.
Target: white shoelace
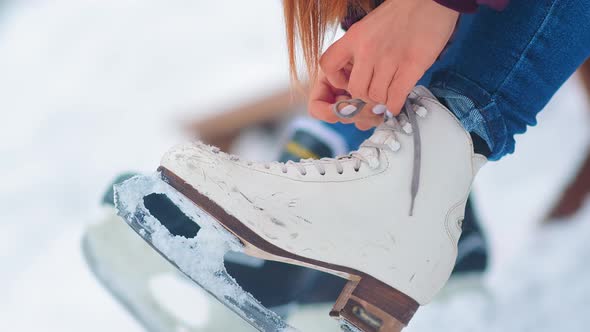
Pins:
x,y
368,153
405,122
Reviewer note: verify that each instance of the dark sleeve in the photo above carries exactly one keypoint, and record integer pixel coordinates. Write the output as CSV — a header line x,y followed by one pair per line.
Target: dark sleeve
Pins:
x,y
469,6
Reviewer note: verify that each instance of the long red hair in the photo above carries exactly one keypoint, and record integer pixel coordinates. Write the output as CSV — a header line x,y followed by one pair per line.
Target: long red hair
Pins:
x,y
307,22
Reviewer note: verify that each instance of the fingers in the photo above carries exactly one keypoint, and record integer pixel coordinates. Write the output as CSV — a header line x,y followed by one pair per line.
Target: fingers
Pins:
x,y
367,118
382,78
401,86
323,95
334,61
322,110
360,79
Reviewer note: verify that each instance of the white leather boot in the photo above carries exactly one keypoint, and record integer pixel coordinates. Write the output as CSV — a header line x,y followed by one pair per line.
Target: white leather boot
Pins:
x,y
387,217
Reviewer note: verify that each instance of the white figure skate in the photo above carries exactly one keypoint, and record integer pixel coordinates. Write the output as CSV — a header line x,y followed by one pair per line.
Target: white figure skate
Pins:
x,y
386,217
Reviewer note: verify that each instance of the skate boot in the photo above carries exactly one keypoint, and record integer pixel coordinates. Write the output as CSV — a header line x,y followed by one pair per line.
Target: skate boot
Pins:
x,y
396,245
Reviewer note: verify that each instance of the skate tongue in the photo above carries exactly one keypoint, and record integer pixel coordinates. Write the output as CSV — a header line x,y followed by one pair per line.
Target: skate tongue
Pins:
x,y
385,138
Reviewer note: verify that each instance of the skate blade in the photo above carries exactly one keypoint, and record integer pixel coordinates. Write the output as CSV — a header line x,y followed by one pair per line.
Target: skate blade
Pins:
x,y
365,303
199,258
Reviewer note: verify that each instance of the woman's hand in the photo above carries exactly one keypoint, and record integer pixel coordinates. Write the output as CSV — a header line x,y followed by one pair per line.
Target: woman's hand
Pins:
x,y
324,95
381,57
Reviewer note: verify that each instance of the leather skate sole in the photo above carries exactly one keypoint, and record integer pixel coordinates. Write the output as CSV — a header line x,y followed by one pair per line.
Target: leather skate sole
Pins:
x,y
367,303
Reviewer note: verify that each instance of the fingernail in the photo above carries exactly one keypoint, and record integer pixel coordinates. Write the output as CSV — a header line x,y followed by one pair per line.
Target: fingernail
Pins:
x,y
389,114
379,109
348,110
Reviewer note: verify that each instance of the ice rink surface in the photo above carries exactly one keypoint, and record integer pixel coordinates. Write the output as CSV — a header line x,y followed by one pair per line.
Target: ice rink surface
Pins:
x,y
92,88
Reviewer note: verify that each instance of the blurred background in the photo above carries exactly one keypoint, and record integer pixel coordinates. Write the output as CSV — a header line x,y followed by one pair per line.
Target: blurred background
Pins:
x,y
90,89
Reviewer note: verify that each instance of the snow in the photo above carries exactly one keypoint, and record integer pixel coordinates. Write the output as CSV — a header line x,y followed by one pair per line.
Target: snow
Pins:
x,y
513,196
544,288
57,292
167,289
89,89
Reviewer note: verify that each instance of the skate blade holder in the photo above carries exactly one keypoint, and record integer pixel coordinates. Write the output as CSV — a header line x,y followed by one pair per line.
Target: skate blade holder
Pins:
x,y
368,305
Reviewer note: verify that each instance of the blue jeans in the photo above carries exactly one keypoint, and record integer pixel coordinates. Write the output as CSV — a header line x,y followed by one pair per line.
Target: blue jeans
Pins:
x,y
505,66
510,64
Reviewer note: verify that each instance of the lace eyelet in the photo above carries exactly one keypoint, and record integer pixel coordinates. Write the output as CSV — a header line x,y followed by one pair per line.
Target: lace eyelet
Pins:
x,y
323,173
357,169
341,172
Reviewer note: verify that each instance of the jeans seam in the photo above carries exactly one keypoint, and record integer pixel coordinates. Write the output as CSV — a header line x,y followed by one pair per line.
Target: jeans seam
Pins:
x,y
491,102
525,51
474,100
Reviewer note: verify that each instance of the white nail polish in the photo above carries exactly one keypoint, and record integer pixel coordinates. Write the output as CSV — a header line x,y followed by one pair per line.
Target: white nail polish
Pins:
x,y
389,114
348,110
379,109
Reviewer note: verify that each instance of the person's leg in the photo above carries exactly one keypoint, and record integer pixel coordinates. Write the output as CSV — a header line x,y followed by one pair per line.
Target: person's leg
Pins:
x,y
510,64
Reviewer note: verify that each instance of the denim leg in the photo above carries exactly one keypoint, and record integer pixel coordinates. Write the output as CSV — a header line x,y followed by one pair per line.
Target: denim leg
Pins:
x,y
510,64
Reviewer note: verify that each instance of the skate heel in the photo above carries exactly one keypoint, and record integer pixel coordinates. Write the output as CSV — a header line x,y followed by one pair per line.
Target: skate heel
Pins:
x,y
370,305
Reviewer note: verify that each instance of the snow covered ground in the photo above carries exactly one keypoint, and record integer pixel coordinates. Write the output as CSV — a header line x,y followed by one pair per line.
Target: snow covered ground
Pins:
x,y
92,88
